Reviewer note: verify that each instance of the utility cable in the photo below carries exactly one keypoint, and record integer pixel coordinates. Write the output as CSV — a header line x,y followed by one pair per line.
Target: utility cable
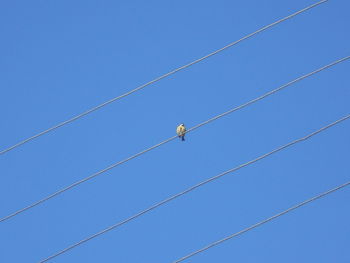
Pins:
x,y
168,140
262,222
193,188
157,79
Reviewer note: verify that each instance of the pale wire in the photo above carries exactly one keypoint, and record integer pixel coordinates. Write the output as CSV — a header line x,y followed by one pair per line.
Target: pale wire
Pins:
x,y
262,222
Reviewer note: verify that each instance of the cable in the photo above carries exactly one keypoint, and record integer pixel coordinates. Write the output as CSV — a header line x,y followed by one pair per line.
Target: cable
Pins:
x,y
263,222
193,188
158,79
170,139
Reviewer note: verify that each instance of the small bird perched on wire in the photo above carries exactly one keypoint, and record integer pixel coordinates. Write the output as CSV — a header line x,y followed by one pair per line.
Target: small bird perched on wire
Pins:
x,y
181,130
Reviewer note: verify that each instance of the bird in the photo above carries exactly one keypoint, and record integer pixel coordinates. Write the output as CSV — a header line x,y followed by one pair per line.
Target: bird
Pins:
x,y
181,130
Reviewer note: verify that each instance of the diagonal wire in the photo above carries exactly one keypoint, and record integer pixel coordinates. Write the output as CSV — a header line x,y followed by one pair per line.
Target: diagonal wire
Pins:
x,y
263,222
168,140
158,79
193,188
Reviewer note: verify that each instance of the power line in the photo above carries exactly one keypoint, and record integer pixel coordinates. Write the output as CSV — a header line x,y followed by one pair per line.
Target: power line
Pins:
x,y
193,188
262,222
158,79
170,139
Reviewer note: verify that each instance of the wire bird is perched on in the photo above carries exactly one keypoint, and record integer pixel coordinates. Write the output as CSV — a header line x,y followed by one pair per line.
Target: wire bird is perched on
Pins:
x,y
181,130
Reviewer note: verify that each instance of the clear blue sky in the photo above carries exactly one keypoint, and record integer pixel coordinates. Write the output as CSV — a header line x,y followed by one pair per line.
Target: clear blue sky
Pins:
x,y
59,58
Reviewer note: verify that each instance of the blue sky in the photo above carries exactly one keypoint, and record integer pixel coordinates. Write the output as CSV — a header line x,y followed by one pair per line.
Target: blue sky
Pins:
x,y
59,58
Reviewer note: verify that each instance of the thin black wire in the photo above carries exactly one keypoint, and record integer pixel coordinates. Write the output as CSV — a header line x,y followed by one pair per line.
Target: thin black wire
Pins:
x,y
158,79
170,139
193,188
262,222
